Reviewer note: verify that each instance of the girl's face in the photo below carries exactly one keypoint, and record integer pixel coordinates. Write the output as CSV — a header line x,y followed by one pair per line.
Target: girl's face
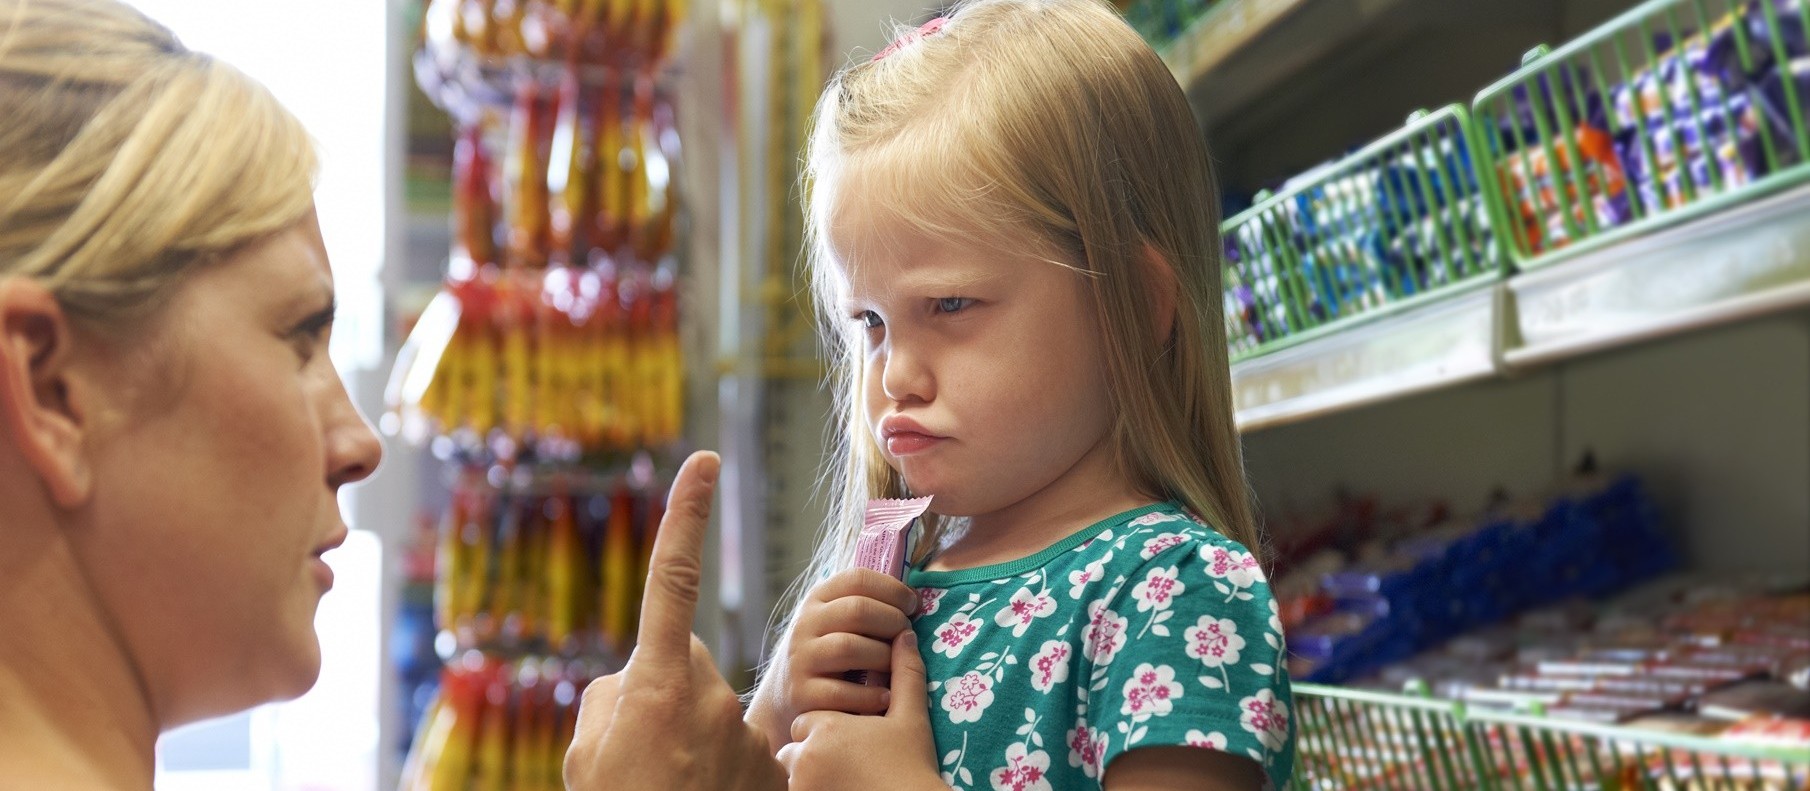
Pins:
x,y
215,484
982,377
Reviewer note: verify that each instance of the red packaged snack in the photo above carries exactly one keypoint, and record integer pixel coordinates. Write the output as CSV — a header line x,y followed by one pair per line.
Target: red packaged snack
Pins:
x,y
1781,731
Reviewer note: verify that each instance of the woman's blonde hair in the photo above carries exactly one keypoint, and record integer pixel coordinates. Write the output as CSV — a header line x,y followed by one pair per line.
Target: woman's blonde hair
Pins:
x,y
1049,123
126,160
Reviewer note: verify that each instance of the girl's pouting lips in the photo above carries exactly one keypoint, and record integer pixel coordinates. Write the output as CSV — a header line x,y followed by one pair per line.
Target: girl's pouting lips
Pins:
x,y
904,436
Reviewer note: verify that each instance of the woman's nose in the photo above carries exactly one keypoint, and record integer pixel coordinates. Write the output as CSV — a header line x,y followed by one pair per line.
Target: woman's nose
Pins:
x,y
353,449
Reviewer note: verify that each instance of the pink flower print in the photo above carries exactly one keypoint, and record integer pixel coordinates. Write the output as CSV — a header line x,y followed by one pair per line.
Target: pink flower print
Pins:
x,y
958,632
1151,692
967,697
928,600
1153,519
1214,641
1105,633
1158,589
1160,543
1024,771
1266,717
1207,741
1086,747
1024,608
1237,568
1093,572
1050,666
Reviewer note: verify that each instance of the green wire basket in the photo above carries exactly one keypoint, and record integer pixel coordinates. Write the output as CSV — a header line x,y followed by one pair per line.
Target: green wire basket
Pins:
x,y
1675,109
1406,219
1355,740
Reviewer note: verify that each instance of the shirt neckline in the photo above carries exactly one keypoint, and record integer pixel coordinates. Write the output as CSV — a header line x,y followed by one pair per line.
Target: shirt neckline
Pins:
x,y
918,578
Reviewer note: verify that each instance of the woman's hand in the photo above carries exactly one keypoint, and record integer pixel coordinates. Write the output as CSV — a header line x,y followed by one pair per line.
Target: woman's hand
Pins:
x,y
833,749
845,623
669,720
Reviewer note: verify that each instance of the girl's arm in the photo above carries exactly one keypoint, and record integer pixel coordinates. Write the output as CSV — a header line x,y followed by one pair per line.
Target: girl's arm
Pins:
x,y
1176,768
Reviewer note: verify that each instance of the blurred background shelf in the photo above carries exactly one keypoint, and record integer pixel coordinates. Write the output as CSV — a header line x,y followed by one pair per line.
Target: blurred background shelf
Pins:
x,y
1253,69
1744,263
1441,345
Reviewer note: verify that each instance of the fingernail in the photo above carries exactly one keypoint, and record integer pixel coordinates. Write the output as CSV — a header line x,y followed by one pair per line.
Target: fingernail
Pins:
x,y
886,700
911,638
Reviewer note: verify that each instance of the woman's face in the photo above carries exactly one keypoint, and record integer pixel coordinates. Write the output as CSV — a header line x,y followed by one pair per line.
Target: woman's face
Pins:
x,y
216,484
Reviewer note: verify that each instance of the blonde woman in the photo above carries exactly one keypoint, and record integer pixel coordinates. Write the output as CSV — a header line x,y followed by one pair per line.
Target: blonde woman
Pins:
x,y
1017,256
172,433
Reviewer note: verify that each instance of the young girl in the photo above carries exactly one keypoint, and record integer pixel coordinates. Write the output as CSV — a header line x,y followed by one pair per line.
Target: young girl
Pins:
x,y
1016,245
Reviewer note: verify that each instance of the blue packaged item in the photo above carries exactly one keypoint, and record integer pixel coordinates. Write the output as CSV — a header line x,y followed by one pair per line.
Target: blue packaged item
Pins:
x,y
1571,97
1775,106
1762,40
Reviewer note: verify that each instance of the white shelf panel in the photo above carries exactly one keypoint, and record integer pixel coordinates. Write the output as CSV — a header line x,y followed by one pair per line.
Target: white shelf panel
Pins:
x,y
1437,345
1749,261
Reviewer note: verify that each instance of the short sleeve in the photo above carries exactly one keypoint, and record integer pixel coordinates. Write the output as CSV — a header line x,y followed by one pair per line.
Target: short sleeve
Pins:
x,y
1198,660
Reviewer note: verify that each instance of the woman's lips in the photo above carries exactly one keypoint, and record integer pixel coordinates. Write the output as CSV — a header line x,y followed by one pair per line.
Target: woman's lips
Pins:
x,y
323,574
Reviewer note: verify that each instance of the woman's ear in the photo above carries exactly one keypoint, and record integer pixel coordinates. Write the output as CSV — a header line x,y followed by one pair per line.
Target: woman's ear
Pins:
x,y
40,412
1164,287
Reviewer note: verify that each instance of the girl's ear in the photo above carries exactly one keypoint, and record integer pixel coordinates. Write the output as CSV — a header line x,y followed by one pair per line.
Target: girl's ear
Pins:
x,y
41,410
1163,287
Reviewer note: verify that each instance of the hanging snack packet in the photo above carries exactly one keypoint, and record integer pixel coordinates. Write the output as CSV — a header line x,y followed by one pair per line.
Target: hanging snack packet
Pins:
x,y
881,547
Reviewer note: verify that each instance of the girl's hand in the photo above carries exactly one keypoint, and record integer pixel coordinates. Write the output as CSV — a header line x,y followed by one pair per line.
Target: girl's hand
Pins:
x,y
845,623
832,749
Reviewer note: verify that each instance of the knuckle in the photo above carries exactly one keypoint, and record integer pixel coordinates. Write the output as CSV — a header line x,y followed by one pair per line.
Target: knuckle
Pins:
x,y
679,579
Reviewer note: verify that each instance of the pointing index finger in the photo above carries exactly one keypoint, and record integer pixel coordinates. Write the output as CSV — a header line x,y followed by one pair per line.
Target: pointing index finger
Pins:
x,y
675,568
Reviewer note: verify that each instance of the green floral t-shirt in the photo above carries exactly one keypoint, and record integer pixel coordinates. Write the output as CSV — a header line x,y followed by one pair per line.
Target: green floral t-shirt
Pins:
x,y
1146,629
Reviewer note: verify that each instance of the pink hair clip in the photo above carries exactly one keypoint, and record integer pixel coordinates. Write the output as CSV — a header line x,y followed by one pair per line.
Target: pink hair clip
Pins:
x,y
924,30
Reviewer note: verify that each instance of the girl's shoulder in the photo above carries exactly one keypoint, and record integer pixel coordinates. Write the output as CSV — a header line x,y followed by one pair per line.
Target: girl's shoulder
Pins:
x,y
1170,535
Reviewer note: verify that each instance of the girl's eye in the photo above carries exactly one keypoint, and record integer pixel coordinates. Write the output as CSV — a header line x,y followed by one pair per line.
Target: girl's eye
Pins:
x,y
952,304
870,319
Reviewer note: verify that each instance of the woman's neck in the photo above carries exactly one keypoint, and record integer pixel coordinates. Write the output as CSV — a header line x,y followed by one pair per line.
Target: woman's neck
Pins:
x,y
73,713
1086,493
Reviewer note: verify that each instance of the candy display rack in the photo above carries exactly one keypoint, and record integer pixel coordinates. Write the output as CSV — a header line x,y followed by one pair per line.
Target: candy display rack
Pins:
x,y
1400,231
547,374
1643,180
1672,111
1649,178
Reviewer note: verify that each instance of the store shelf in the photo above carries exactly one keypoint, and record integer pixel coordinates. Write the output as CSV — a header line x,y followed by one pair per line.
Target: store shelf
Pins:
x,y
1742,263
1437,345
1250,64
1266,39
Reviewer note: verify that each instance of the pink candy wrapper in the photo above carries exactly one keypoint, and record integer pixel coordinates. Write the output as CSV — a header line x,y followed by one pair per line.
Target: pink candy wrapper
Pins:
x,y
881,547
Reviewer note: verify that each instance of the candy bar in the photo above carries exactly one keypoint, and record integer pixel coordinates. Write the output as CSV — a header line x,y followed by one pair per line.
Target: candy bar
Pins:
x,y
881,547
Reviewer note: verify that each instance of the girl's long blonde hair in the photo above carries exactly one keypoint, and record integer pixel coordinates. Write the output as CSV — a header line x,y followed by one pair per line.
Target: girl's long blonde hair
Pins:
x,y
126,160
1046,123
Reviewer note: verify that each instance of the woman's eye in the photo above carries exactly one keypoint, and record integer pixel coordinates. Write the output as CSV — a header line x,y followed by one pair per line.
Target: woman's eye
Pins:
x,y
952,304
308,344
870,319
311,334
